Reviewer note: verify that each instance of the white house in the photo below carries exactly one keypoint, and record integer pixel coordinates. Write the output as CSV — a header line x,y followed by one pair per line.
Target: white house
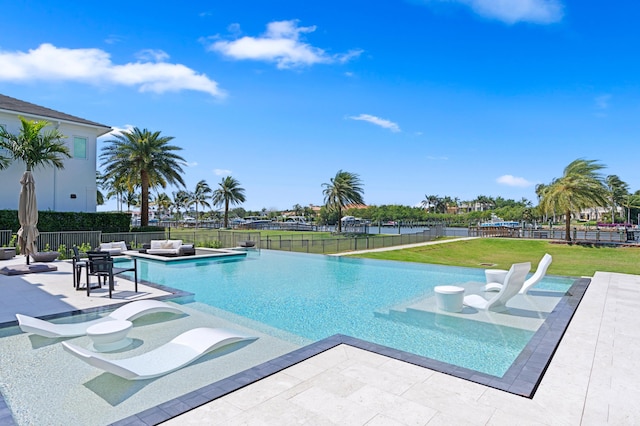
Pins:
x,y
72,189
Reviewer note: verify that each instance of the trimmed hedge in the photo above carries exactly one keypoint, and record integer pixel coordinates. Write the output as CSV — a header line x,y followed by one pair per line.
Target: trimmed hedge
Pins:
x,y
49,221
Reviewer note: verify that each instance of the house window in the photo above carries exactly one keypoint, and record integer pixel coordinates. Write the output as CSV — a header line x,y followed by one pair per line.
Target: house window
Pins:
x,y
79,147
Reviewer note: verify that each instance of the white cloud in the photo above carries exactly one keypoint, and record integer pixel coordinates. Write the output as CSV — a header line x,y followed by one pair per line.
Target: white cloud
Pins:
x,y
222,172
513,11
50,63
510,180
152,55
377,121
192,164
280,44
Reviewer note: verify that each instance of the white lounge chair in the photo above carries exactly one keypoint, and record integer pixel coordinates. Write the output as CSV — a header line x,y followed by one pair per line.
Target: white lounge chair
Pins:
x,y
165,359
130,312
512,285
535,278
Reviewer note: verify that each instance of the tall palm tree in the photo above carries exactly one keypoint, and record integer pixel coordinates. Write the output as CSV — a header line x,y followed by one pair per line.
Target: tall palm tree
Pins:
x,y
200,196
580,186
617,190
345,188
35,147
228,192
144,158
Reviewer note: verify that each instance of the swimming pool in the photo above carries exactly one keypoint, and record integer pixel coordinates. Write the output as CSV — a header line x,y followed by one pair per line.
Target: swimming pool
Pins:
x,y
387,303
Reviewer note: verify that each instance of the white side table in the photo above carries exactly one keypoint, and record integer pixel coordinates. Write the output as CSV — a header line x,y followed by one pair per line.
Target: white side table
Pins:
x,y
495,275
449,298
110,335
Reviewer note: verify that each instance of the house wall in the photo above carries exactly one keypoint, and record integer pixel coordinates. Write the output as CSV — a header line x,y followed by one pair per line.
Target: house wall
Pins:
x,y
54,187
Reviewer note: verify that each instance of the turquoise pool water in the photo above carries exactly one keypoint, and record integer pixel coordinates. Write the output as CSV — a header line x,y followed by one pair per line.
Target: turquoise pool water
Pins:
x,y
315,296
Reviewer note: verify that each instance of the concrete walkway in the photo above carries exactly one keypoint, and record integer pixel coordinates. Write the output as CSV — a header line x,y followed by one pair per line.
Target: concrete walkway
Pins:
x,y
406,246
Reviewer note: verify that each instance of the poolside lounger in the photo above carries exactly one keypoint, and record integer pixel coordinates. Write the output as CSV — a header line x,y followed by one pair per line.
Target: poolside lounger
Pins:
x,y
535,278
512,285
130,312
165,359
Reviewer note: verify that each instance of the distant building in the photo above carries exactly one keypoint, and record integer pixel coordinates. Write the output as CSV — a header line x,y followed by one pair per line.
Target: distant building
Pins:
x,y
71,189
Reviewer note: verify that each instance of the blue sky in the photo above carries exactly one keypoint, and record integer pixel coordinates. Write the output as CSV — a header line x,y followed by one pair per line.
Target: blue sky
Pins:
x,y
445,97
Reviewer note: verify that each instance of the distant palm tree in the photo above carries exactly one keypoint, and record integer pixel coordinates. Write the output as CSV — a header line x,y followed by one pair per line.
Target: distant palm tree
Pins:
x,y
200,196
228,192
617,190
100,199
143,158
163,202
345,188
580,186
180,200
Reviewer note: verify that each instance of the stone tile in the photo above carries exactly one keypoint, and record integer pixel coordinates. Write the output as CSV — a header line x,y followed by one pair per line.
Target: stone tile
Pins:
x,y
333,408
392,406
261,390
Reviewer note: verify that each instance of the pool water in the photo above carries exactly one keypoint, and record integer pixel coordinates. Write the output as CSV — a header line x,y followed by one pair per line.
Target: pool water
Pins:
x,y
316,296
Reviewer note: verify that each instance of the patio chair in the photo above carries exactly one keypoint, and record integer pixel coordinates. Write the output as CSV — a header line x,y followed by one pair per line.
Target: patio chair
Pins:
x,y
130,312
535,278
179,352
512,285
100,264
78,264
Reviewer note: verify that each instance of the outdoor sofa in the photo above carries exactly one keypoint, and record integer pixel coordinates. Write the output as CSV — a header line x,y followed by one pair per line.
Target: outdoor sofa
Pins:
x,y
170,248
113,248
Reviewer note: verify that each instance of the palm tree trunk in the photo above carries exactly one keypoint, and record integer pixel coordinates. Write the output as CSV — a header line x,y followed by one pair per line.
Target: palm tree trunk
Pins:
x,y
567,226
226,213
144,205
339,219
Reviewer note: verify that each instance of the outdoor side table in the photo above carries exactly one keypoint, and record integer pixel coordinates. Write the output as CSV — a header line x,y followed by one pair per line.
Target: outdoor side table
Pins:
x,y
495,275
449,298
110,335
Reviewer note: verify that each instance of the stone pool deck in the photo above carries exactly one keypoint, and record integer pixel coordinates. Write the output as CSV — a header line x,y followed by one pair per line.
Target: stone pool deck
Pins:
x,y
592,379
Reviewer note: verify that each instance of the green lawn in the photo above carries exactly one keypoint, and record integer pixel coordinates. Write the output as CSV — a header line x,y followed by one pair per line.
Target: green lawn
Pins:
x,y
568,260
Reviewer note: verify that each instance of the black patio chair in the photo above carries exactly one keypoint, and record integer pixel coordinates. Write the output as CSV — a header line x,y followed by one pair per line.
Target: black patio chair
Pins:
x,y
78,264
100,264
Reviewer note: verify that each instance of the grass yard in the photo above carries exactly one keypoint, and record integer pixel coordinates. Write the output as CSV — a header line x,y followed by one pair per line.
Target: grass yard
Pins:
x,y
568,260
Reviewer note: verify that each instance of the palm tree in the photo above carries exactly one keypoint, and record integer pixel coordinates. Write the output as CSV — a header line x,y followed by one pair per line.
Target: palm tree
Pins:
x,y
617,190
200,196
143,158
163,202
345,188
229,192
100,199
180,200
35,147
580,186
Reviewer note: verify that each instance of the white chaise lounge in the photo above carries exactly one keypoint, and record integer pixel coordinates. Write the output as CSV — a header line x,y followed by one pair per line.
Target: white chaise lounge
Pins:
x,y
535,278
129,312
168,247
165,359
512,285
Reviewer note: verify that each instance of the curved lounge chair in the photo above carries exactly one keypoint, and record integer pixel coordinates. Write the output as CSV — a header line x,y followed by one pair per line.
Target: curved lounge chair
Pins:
x,y
165,359
512,285
130,311
535,278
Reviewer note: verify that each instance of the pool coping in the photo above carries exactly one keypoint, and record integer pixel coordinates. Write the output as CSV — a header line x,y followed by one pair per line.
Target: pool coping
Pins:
x,y
522,378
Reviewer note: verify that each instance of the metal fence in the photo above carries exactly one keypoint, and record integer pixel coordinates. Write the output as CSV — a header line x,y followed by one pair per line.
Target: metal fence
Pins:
x,y
341,244
64,241
5,237
133,239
